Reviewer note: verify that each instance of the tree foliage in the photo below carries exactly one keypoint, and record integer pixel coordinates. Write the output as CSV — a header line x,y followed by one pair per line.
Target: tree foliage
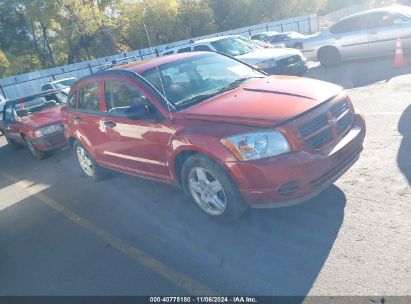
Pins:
x,y
37,34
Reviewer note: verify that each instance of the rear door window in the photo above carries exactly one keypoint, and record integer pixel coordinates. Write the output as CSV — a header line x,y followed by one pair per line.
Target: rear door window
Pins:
x,y
379,20
184,50
202,48
352,24
89,97
72,100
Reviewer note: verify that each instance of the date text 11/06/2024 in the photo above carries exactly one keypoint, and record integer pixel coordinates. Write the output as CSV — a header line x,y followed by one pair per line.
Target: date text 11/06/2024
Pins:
x,y
203,300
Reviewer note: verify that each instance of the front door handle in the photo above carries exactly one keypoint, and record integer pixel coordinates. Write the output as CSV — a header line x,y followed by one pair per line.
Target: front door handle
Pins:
x,y
77,120
109,124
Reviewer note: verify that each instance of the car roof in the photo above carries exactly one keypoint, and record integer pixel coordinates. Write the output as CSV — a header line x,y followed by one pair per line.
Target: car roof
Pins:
x,y
388,9
28,97
59,80
140,67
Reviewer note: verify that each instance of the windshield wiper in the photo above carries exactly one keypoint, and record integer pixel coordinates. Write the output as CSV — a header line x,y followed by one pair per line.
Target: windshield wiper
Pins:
x,y
201,97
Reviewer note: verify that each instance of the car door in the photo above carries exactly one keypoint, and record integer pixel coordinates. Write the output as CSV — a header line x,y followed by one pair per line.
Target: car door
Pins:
x,y
11,125
131,123
351,37
86,115
383,29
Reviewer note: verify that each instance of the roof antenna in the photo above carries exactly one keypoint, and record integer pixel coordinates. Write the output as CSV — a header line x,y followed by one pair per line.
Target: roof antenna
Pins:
x,y
158,73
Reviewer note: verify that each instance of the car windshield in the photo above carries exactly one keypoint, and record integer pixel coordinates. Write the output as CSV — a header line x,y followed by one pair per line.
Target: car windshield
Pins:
x,y
234,46
192,80
64,83
38,104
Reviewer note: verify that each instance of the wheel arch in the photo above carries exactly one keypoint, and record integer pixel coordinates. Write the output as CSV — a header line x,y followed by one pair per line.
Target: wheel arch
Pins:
x,y
325,47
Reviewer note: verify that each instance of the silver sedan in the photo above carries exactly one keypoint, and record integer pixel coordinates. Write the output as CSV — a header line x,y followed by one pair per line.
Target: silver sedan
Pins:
x,y
368,34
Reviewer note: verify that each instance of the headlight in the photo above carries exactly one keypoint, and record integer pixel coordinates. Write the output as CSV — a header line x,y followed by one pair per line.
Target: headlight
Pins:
x,y
48,130
256,145
265,65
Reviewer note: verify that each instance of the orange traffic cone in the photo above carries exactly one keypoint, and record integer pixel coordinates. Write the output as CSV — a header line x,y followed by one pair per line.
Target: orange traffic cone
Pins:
x,y
399,61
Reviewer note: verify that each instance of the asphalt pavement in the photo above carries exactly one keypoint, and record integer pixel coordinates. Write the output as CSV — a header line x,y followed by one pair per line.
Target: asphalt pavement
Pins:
x,y
61,234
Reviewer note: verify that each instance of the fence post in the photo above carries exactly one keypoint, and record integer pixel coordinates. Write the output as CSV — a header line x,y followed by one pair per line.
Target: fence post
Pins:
x,y
2,91
141,56
281,26
89,66
298,26
249,32
309,24
157,53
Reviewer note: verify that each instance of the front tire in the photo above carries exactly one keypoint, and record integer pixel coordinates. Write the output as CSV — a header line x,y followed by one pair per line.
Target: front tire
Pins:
x,y
87,163
11,143
329,56
211,188
38,154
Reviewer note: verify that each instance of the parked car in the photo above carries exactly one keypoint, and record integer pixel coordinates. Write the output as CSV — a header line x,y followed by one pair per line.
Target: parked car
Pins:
x,y
2,103
63,84
368,34
263,35
228,134
35,121
289,39
272,60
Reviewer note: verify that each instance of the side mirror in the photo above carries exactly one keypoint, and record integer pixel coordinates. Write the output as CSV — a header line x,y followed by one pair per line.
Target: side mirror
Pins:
x,y
139,111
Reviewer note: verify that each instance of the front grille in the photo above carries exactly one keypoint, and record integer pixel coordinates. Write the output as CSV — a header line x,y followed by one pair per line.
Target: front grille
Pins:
x,y
289,60
327,126
320,139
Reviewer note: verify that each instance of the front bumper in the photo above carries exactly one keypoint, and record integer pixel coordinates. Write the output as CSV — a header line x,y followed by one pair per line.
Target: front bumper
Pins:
x,y
50,142
296,177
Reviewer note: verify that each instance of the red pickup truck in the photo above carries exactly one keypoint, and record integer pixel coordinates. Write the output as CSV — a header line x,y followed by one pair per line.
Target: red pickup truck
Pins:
x,y
35,121
228,134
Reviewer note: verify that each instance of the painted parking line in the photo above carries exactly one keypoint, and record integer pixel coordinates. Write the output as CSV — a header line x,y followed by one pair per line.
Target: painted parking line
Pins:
x,y
153,264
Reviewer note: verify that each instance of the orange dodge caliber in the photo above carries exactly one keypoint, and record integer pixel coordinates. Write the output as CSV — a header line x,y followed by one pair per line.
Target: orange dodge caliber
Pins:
x,y
228,134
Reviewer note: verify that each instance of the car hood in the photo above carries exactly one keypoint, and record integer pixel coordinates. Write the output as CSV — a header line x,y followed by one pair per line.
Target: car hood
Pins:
x,y
43,118
269,101
267,54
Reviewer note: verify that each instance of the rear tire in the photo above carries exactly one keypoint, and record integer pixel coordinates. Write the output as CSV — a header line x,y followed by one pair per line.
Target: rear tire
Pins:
x,y
211,189
38,154
329,56
87,163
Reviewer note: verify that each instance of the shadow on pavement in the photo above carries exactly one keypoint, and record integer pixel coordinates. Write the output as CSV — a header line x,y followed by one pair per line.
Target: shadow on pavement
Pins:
x,y
358,73
265,252
404,153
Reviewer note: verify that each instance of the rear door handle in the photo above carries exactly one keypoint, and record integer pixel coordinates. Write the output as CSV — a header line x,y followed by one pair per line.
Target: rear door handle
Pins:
x,y
109,124
77,120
